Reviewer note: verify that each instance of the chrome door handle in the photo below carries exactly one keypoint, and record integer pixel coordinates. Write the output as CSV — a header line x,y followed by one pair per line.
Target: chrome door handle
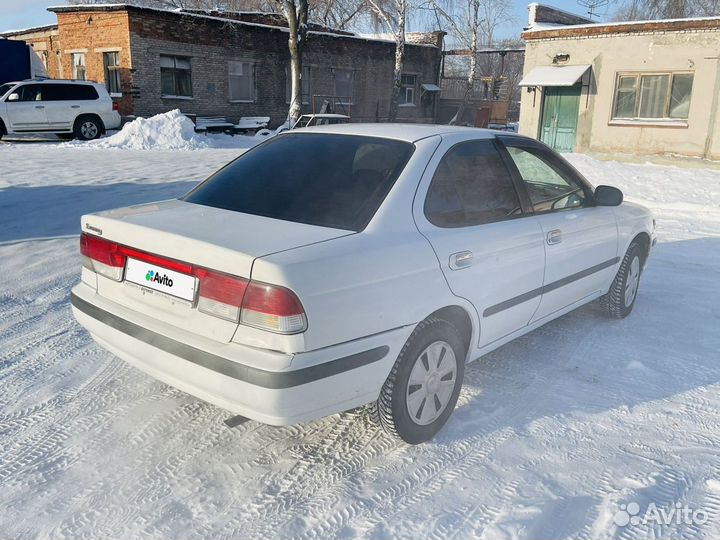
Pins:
x,y
554,236
460,260
39,106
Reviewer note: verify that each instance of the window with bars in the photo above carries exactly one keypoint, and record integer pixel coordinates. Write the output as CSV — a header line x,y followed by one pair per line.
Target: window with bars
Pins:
x,y
344,85
652,96
242,81
111,63
407,89
175,76
78,66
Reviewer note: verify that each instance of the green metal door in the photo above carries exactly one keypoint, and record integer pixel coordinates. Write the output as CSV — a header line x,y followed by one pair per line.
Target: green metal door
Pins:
x,y
559,117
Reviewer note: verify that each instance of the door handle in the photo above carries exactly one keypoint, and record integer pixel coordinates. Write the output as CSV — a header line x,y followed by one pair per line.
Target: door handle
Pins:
x,y
554,236
75,107
460,260
39,106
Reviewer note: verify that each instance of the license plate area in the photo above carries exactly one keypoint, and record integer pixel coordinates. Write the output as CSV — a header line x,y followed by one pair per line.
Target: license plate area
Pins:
x,y
158,278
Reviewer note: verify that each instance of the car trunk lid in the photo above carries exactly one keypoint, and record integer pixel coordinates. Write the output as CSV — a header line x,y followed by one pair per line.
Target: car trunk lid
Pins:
x,y
212,238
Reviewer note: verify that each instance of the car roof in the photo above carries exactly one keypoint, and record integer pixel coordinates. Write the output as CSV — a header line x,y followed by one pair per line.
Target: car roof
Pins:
x,y
401,132
58,81
325,115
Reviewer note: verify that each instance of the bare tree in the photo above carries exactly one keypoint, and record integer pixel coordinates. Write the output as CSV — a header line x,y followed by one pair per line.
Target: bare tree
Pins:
x,y
472,25
633,10
296,15
339,14
392,14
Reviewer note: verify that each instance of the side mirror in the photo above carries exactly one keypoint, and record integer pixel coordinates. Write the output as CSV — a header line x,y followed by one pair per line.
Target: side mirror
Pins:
x,y
13,97
608,196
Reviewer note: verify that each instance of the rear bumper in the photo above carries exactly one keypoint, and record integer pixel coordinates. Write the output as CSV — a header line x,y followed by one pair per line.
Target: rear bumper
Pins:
x,y
112,120
309,386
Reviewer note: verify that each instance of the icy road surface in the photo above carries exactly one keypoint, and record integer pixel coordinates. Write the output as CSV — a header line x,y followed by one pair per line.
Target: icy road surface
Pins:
x,y
551,435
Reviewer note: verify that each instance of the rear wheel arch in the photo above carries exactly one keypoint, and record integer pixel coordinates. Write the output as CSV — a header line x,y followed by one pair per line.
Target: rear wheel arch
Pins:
x,y
460,319
88,116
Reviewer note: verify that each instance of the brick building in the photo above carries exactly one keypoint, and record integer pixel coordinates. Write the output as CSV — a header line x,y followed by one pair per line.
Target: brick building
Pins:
x,y
232,64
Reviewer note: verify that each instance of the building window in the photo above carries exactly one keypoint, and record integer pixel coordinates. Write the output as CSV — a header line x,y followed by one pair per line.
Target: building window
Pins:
x,y
652,96
78,66
407,89
305,85
111,61
175,80
242,81
344,85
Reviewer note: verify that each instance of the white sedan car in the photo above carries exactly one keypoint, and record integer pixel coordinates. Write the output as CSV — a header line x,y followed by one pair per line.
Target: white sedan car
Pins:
x,y
346,265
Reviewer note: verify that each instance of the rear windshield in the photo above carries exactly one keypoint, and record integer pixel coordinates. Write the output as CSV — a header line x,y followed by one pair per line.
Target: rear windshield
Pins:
x,y
329,180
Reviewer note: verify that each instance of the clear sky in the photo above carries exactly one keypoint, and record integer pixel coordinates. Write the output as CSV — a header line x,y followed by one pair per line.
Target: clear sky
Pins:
x,y
17,14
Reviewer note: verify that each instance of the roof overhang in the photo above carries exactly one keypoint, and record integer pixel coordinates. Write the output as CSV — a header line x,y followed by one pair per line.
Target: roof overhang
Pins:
x,y
555,75
429,87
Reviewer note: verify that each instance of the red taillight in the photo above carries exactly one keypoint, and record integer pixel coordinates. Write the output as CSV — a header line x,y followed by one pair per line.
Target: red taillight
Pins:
x,y
220,294
236,299
170,264
102,256
272,308
101,250
115,106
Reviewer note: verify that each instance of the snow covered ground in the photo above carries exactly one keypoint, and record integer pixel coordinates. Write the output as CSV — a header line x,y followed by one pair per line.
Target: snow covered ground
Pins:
x,y
552,434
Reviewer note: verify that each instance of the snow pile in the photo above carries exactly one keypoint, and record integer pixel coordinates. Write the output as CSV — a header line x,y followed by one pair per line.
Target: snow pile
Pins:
x,y
167,131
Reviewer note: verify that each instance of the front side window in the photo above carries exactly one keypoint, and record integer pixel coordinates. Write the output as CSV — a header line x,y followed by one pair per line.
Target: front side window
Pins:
x,y
5,88
175,76
344,84
652,96
242,80
305,85
78,66
336,181
549,185
471,186
30,92
407,89
111,63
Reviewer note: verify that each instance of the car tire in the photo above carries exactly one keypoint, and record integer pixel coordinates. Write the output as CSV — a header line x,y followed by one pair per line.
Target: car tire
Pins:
x,y
88,128
619,301
401,407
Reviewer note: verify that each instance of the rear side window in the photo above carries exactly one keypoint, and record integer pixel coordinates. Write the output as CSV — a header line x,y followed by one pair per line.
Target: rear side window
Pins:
x,y
471,186
69,92
328,180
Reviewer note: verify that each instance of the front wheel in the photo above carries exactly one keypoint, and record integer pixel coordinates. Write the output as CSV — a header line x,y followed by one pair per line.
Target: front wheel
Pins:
x,y
620,299
422,389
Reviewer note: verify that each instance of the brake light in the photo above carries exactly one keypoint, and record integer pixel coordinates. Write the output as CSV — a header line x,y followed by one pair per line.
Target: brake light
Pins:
x,y
115,106
236,299
220,295
272,308
102,256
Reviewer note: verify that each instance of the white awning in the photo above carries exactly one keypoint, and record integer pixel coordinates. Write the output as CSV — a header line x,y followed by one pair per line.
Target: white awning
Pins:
x,y
430,87
554,75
